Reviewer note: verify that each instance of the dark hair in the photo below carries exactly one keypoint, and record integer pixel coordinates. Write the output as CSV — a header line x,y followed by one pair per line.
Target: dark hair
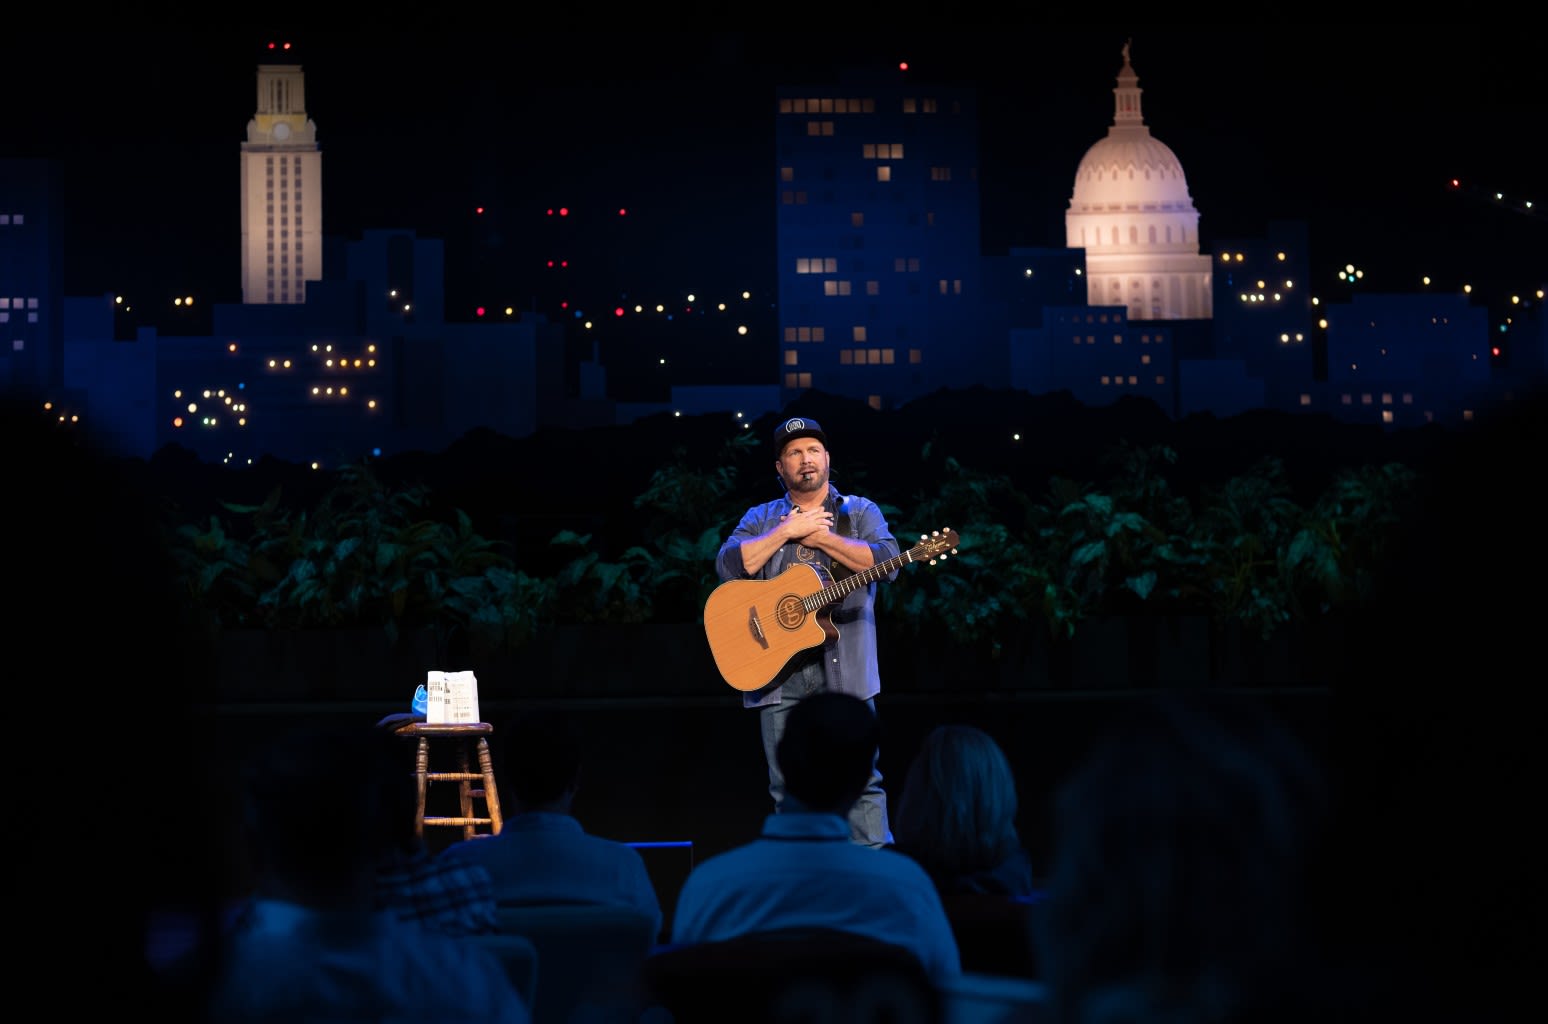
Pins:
x,y
301,826
101,611
541,755
1185,842
957,813
828,750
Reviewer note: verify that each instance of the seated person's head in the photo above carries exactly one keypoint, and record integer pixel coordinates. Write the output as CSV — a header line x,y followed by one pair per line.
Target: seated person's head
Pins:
x,y
1185,842
102,609
325,803
541,759
957,813
827,751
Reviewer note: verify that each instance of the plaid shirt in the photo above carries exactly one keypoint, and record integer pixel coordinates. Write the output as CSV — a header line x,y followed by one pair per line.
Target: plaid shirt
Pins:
x,y
446,896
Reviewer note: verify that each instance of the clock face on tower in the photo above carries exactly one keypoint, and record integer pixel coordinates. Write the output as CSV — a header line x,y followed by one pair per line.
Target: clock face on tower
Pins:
x,y
281,132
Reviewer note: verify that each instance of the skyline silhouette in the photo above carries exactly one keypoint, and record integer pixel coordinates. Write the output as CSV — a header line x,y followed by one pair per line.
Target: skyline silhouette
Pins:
x,y
1356,133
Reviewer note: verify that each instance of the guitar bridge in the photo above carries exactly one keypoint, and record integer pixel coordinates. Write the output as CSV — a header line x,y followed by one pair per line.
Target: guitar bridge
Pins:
x,y
756,628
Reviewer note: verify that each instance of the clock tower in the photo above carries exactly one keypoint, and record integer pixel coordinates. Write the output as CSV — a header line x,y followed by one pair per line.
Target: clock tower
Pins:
x,y
281,192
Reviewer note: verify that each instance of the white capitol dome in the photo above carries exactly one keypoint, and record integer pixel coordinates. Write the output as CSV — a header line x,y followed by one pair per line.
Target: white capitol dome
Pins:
x,y
1132,214
1128,169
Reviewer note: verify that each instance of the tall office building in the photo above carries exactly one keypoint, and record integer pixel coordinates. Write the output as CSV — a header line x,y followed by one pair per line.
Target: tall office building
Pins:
x,y
281,192
1132,213
31,277
877,240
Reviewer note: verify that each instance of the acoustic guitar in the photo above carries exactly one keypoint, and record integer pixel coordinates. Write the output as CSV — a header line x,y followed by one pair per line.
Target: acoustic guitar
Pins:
x,y
756,626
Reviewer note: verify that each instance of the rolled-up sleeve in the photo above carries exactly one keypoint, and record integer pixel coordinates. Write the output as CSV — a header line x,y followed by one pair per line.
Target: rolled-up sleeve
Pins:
x,y
754,522
728,562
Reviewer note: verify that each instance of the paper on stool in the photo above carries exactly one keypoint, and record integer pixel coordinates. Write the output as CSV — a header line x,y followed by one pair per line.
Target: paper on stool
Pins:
x,y
451,698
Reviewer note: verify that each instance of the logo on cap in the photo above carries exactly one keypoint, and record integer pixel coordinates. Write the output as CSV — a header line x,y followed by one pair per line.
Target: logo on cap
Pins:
x,y
795,424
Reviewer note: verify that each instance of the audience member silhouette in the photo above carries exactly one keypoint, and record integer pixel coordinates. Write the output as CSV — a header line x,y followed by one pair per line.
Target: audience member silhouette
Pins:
x,y
542,854
803,872
1437,745
957,818
448,896
312,945
1186,848
124,878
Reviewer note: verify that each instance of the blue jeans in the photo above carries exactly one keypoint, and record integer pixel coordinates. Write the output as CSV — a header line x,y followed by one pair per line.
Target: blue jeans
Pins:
x,y
868,816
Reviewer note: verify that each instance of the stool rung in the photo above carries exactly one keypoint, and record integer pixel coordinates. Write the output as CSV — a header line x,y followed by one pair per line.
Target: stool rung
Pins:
x,y
454,776
455,821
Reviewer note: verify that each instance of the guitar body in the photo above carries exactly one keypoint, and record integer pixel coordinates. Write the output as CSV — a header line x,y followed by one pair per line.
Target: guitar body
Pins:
x,y
756,626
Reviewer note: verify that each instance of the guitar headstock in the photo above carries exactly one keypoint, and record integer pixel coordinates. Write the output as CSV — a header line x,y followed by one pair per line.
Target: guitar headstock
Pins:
x,y
938,545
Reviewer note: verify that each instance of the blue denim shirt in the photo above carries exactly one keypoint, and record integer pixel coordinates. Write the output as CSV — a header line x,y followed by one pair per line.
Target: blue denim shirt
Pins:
x,y
849,662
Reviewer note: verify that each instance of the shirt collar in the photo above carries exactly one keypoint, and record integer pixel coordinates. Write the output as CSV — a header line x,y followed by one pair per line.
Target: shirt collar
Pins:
x,y
835,498
805,825
542,821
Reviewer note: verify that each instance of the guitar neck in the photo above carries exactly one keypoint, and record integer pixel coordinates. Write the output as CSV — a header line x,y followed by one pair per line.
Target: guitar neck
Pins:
x,y
849,584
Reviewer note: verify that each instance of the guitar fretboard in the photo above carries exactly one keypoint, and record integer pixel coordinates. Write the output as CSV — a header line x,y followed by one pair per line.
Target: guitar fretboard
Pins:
x,y
849,584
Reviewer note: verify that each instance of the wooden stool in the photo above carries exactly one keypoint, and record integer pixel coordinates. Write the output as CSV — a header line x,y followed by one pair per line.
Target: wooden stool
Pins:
x,y
463,738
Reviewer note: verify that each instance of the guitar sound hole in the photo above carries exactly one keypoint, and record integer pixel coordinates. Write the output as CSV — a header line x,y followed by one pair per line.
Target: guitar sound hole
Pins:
x,y
789,613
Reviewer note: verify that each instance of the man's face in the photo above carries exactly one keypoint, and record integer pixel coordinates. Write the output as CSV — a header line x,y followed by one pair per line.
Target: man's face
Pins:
x,y
803,465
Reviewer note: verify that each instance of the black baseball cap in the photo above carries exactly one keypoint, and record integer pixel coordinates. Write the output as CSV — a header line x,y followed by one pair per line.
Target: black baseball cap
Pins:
x,y
797,426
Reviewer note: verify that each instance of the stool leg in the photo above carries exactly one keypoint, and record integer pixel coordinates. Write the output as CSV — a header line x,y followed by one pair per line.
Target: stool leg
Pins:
x,y
465,791
421,776
491,794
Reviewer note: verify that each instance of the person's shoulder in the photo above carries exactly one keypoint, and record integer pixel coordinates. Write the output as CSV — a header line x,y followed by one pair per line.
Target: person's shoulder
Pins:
x,y
719,864
616,848
855,504
897,864
772,507
469,852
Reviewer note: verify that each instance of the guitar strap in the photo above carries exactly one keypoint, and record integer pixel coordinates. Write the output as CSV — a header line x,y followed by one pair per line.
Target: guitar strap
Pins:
x,y
841,527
